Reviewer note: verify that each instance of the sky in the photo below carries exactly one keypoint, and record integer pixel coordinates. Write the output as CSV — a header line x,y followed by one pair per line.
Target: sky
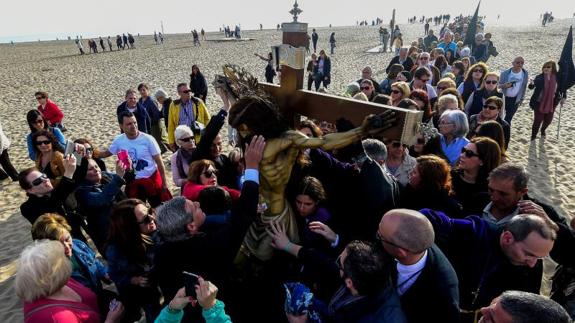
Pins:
x,y
35,19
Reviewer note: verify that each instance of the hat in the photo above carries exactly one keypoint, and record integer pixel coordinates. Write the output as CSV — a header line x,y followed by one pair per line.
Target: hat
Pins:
x,y
183,131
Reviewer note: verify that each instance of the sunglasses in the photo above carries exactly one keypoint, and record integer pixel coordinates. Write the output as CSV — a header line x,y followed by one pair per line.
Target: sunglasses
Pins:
x,y
490,82
149,217
469,153
490,107
395,91
89,150
421,141
477,70
209,173
186,91
365,87
394,144
40,180
39,121
187,139
43,142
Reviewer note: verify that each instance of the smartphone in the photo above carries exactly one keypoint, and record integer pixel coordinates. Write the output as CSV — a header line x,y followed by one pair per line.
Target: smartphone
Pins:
x,y
124,158
70,149
190,282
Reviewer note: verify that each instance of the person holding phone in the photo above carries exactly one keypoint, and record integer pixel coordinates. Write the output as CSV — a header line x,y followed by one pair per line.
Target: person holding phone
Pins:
x,y
513,82
146,161
212,309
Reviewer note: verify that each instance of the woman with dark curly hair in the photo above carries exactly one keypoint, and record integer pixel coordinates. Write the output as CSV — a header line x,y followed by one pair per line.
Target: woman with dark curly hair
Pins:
x,y
430,187
473,79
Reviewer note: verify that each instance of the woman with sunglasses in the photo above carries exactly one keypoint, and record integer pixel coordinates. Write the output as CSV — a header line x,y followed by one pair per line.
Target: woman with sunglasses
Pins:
x,y
422,100
202,174
429,186
49,158
473,80
50,110
546,96
399,91
130,253
492,111
469,180
90,151
37,122
489,88
398,162
96,194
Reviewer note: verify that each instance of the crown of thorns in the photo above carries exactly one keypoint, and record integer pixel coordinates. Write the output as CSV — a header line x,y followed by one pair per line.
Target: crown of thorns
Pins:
x,y
238,82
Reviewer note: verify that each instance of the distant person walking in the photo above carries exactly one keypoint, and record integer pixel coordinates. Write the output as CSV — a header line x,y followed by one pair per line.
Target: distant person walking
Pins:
x,y
125,41
119,42
314,38
322,70
131,40
203,32
80,47
102,44
332,42
109,43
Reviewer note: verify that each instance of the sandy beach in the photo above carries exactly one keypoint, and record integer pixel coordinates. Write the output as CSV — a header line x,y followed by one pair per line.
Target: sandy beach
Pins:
x,y
88,88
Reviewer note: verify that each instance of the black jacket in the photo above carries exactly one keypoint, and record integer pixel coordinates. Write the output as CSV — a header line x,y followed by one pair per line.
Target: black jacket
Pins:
x,y
407,65
210,254
539,85
199,86
435,292
54,203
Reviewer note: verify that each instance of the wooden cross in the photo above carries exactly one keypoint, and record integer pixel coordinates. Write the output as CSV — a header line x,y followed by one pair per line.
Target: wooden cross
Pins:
x,y
294,101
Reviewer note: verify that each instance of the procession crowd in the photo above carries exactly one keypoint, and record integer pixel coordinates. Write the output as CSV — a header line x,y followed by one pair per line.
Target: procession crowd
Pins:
x,y
442,229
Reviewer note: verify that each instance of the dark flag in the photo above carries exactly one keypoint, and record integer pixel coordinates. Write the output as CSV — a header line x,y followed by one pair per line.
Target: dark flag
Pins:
x,y
392,31
472,28
566,74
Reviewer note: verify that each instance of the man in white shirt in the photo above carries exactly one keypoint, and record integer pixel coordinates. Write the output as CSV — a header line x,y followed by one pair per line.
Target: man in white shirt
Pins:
x,y
144,159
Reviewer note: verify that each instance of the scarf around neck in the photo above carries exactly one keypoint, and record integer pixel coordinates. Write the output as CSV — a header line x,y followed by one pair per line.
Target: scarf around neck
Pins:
x,y
546,104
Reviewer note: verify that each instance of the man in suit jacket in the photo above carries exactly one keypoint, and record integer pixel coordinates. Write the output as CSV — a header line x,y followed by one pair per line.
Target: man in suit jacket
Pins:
x,y
423,277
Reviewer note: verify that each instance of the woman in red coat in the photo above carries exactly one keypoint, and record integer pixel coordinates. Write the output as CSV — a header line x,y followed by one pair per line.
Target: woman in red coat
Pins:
x,y
50,110
202,174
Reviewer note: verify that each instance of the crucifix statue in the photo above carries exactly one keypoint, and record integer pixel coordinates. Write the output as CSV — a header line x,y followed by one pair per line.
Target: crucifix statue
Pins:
x,y
262,109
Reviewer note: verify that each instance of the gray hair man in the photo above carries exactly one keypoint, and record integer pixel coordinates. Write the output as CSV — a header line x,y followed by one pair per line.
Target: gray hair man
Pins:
x,y
523,307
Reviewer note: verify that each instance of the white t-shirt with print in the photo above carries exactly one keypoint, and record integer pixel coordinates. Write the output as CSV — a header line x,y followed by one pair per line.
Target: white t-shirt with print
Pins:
x,y
518,79
141,151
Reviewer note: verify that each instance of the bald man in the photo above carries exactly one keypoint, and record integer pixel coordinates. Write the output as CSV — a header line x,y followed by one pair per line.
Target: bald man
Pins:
x,y
423,277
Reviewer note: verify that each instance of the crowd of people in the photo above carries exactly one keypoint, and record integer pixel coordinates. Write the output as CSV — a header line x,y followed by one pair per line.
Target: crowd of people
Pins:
x,y
442,229
122,42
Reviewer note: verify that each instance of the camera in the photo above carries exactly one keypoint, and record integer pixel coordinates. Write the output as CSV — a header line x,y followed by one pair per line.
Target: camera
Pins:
x,y
197,128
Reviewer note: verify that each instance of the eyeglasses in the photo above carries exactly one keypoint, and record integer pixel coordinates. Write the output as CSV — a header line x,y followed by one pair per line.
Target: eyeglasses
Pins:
x,y
209,173
395,91
39,121
187,139
89,150
490,107
39,180
490,82
477,70
149,217
186,91
469,153
381,239
365,87
43,142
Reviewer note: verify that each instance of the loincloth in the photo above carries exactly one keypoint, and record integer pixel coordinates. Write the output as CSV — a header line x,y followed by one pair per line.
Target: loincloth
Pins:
x,y
257,242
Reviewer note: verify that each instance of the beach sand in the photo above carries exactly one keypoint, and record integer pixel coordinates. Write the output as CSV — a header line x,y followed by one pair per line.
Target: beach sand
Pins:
x,y
88,88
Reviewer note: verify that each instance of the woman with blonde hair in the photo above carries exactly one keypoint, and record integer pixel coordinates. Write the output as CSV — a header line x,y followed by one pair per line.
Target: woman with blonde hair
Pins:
x,y
489,88
399,91
44,283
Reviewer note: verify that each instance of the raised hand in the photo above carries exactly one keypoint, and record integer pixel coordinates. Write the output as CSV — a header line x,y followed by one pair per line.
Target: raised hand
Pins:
x,y
323,230
69,166
180,300
206,293
254,152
